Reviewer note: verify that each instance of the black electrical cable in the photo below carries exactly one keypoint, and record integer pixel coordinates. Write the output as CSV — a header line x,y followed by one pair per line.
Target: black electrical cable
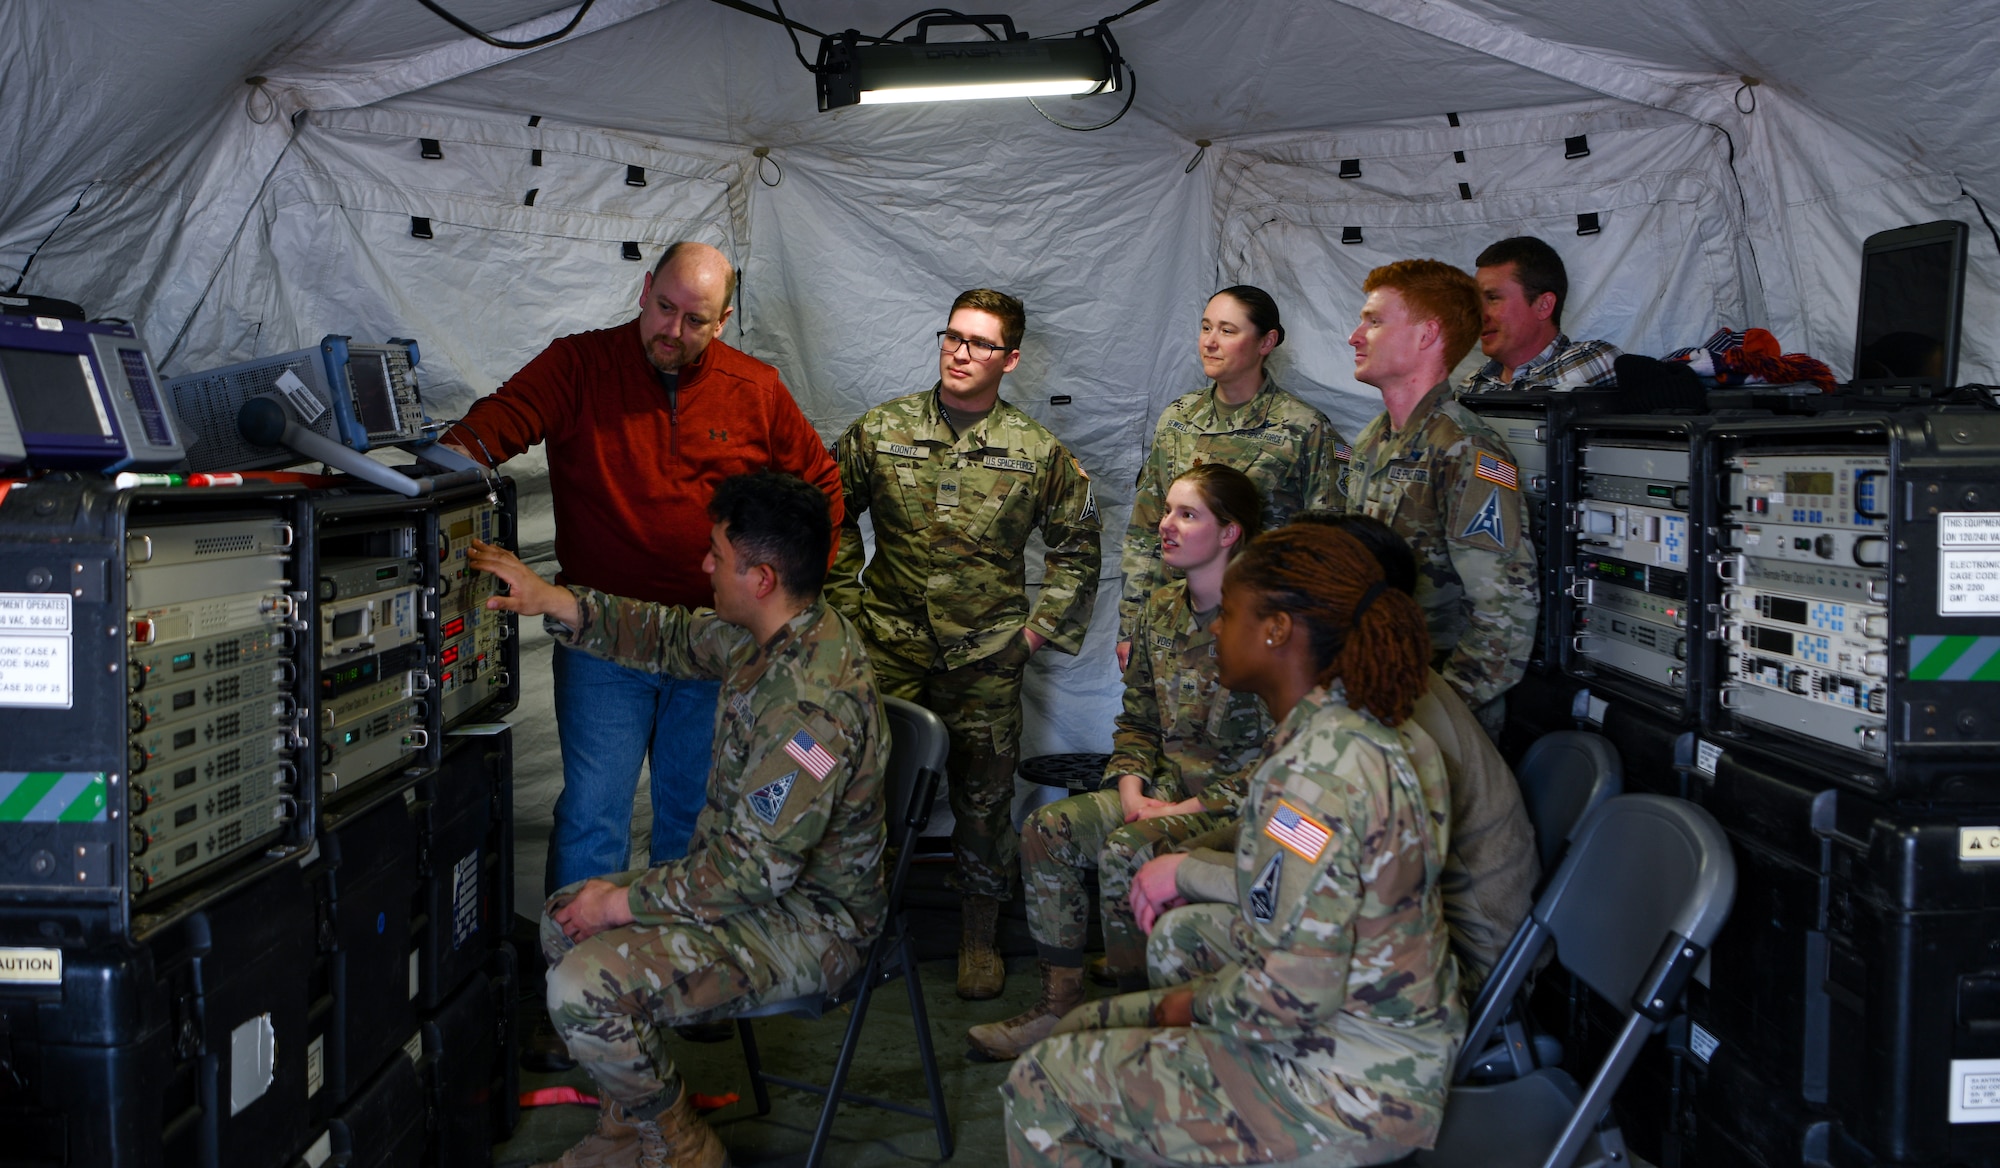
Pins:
x,y
30,261
497,43
1131,92
793,33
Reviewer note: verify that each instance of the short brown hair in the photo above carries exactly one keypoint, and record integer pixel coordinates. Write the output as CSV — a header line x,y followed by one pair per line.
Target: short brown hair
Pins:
x,y
1434,290
1013,316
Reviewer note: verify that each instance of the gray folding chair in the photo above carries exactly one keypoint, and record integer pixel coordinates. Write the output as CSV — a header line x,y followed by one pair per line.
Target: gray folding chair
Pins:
x,y
1643,891
917,748
1562,776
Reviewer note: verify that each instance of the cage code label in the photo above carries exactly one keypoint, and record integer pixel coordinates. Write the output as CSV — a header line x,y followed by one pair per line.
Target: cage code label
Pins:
x,y
1975,1090
35,661
1969,563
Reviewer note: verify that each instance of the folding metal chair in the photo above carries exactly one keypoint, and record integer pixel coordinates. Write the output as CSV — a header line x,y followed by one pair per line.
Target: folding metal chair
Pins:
x,y
918,745
1563,776
1643,891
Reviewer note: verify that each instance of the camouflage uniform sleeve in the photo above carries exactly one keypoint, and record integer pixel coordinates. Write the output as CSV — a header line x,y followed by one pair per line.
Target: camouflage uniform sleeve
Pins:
x,y
657,638
1139,556
1319,470
1486,536
843,581
1303,899
1136,732
1229,780
1067,515
778,819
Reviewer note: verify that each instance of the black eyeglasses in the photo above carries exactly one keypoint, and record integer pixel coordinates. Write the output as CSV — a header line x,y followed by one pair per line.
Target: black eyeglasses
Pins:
x,y
951,342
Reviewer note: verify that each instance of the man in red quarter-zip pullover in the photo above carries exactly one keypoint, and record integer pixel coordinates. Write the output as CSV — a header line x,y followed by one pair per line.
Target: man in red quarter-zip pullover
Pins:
x,y
642,421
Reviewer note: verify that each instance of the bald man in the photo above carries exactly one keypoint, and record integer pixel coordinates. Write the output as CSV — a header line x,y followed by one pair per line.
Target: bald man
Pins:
x,y
642,422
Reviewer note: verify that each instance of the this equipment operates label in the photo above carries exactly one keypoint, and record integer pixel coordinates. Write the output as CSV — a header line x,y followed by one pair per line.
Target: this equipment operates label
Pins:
x,y
1969,563
35,663
1975,1091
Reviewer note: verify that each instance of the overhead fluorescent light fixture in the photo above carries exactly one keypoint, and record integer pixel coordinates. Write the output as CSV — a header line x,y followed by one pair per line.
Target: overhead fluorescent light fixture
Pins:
x,y
1006,65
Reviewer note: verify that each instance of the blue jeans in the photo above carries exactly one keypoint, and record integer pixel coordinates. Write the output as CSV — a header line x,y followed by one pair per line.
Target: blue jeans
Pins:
x,y
609,718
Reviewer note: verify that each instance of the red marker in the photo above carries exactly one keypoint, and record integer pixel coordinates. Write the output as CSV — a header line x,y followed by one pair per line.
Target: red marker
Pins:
x,y
215,480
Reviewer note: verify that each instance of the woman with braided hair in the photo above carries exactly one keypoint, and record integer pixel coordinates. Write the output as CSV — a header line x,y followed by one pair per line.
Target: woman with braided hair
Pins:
x,y
1323,1014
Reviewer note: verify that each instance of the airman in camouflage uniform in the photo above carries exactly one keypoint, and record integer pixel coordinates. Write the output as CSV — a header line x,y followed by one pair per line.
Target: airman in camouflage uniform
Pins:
x,y
1325,1001
1447,483
781,887
1190,738
1287,448
944,601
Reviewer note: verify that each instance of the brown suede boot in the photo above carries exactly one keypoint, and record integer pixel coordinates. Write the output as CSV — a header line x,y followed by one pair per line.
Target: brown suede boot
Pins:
x,y
678,1138
615,1143
981,973
1062,991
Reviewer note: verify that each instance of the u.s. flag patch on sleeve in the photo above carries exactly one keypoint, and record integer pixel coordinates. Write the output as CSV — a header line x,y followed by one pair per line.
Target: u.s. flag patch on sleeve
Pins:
x,y
811,755
1298,832
1497,470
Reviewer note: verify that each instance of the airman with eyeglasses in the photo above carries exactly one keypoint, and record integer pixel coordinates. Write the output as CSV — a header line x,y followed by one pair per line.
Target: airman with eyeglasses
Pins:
x,y
956,480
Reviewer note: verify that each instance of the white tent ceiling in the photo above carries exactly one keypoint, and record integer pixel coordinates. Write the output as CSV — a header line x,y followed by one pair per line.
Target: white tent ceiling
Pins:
x,y
145,179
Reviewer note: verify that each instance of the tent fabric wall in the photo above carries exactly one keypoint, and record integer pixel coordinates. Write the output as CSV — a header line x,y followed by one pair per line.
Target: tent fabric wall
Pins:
x,y
146,181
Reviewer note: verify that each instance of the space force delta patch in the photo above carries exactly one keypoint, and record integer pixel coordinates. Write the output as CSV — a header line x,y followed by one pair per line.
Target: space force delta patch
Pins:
x,y
811,755
1300,833
1487,522
1263,900
767,801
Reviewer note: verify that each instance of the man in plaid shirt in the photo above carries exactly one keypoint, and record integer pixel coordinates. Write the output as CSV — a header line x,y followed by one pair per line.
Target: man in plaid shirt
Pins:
x,y
1522,285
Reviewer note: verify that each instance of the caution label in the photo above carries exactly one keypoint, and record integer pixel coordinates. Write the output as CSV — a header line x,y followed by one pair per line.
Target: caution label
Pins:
x,y
1979,844
30,967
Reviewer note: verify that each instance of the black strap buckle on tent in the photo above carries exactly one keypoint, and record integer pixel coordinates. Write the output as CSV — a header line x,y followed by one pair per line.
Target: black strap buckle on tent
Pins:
x,y
1586,224
420,227
429,148
1350,168
635,176
1350,235
1577,147
1465,191
534,158
631,251
530,200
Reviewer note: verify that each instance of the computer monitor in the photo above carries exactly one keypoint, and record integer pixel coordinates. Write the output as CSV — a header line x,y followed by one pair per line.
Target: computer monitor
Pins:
x,y
81,395
1912,293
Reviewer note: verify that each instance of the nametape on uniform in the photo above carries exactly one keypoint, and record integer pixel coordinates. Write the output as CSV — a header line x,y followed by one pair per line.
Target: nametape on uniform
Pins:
x,y
899,449
1183,427
740,705
995,462
30,967
811,755
767,801
1496,470
1163,641
1409,474
1297,831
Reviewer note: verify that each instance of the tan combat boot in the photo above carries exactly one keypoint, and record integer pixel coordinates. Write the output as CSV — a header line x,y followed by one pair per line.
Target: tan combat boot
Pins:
x,y
981,973
679,1138
615,1143
1062,991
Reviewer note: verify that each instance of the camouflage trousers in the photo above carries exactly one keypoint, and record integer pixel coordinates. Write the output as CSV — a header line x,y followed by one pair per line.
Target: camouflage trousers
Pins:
x,y
980,705
1109,1084
1062,840
614,997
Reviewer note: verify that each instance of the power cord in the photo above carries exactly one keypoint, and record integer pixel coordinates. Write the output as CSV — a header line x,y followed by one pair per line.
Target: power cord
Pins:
x,y
497,43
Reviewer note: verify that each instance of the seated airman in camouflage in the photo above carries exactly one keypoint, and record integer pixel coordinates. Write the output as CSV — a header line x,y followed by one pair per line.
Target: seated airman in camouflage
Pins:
x,y
1323,1011
1182,749
781,888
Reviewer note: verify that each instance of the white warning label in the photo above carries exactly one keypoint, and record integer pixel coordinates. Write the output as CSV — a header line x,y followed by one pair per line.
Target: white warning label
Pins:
x,y
1975,1090
35,663
1969,529
1968,582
